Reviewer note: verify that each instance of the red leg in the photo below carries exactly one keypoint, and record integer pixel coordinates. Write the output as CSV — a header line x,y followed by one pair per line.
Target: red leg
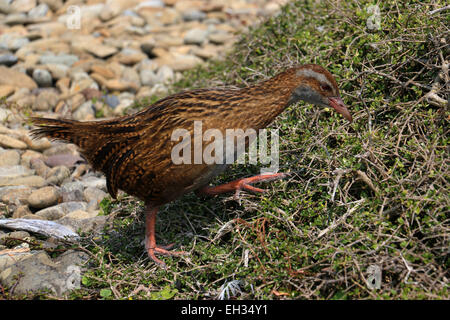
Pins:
x,y
150,240
241,184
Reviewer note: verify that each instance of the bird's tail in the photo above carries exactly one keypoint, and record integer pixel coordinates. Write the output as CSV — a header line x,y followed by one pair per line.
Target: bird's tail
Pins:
x,y
56,129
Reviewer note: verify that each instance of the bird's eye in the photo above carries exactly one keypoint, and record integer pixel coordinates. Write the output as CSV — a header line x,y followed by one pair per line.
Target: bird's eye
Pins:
x,y
325,87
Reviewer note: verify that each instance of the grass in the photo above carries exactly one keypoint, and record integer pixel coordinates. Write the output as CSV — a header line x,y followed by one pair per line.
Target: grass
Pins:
x,y
371,193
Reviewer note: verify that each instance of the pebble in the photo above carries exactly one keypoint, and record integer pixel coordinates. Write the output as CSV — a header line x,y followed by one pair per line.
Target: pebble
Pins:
x,y
193,15
111,100
84,112
165,74
68,160
42,77
101,51
53,273
21,211
72,191
79,214
15,171
57,175
28,156
31,181
60,210
64,59
39,166
46,100
195,36
38,11
6,91
94,194
16,78
94,182
220,37
10,142
17,196
9,158
43,197
148,77
8,59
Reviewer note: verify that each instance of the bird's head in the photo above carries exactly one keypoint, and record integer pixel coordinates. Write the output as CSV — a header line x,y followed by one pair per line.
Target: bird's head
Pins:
x,y
314,84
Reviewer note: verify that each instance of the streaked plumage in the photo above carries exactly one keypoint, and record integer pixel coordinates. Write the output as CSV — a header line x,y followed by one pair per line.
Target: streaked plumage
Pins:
x,y
134,151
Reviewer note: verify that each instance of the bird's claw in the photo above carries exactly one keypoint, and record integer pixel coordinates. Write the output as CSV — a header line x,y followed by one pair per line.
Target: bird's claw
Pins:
x,y
163,250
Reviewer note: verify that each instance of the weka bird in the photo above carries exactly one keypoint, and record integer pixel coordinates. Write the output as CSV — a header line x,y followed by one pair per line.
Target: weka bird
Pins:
x,y
134,151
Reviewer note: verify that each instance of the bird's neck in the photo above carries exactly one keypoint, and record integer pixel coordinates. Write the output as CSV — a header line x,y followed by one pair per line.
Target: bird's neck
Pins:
x,y
266,100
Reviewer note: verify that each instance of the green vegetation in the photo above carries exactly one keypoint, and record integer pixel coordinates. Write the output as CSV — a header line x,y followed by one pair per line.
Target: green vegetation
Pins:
x,y
374,192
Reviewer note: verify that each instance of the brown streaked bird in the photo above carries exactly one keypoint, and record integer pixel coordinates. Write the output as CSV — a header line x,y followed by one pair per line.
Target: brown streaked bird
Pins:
x,y
134,151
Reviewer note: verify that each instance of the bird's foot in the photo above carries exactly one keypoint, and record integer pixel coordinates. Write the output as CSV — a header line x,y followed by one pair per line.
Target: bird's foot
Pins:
x,y
242,184
163,250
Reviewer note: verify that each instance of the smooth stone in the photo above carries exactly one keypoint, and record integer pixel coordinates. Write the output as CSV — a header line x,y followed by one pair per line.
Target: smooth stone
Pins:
x,y
193,15
6,190
57,70
72,191
39,166
111,100
16,78
130,56
94,194
43,197
59,275
23,5
12,41
94,182
207,52
21,211
150,4
28,156
6,91
79,215
93,225
184,62
101,51
91,93
60,210
165,74
9,158
220,37
39,144
119,85
10,142
148,77
31,181
42,77
64,59
19,235
57,175
105,72
196,36
46,100
17,197
8,59
84,112
55,5
61,148
130,75
15,171
68,160
39,11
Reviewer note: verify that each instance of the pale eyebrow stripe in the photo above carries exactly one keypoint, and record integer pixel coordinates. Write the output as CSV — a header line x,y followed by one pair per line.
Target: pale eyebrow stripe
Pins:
x,y
314,74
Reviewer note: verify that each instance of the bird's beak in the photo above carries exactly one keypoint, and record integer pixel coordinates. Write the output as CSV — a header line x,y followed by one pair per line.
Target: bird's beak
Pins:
x,y
339,106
